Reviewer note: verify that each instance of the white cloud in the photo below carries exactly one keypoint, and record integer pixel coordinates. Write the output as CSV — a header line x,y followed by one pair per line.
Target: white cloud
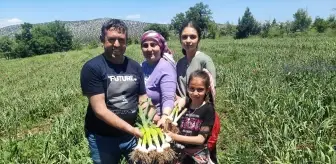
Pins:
x,y
135,16
8,22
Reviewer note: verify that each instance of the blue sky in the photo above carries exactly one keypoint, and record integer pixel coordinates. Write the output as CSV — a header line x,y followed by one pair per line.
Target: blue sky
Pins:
x,y
37,11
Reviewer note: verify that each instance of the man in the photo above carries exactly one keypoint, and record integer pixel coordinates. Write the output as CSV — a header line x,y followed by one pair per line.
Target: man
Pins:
x,y
114,84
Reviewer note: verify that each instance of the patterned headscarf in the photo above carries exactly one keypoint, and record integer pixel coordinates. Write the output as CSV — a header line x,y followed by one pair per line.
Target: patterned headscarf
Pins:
x,y
158,38
161,41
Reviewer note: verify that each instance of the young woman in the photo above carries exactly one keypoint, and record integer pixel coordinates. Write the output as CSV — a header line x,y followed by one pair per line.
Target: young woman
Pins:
x,y
190,36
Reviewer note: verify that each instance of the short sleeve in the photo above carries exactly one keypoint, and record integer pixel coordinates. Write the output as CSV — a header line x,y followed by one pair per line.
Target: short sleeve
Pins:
x,y
91,81
208,120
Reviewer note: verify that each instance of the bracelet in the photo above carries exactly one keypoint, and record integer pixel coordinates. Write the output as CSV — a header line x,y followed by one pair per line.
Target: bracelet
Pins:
x,y
165,114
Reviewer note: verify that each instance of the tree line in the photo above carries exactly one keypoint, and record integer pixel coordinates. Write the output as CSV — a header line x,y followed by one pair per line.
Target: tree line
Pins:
x,y
249,26
37,40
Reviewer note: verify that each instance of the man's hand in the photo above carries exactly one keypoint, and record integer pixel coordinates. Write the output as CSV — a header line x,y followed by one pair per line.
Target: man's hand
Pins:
x,y
137,133
100,109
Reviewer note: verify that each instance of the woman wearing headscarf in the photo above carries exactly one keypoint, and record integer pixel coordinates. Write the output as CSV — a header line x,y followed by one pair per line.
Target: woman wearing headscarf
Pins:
x,y
160,73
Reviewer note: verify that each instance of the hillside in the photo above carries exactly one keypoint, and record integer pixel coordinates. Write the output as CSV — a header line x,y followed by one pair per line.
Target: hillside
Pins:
x,y
85,30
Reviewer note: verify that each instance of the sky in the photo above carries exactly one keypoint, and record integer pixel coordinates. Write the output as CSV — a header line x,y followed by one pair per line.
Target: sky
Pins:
x,y
154,11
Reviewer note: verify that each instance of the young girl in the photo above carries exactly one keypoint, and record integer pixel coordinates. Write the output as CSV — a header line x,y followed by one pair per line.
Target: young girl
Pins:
x,y
196,124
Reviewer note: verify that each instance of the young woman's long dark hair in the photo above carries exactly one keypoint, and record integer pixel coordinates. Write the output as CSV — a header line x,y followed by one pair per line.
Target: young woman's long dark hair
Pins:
x,y
206,79
193,24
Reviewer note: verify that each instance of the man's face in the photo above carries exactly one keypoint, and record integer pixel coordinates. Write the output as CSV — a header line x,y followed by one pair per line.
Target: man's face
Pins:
x,y
115,42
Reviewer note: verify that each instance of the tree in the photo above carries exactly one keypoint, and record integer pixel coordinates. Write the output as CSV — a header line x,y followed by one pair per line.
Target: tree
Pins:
x,y
61,34
247,25
200,13
213,32
332,21
256,28
25,34
162,29
44,45
176,22
42,39
23,40
271,29
22,50
265,29
228,30
6,46
51,37
285,27
302,20
320,24
274,23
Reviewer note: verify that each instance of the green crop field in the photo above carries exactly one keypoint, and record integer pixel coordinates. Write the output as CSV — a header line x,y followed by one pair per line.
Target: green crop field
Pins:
x,y
276,99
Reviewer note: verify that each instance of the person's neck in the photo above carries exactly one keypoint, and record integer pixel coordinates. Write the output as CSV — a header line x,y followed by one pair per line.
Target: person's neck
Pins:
x,y
151,63
114,59
195,105
190,55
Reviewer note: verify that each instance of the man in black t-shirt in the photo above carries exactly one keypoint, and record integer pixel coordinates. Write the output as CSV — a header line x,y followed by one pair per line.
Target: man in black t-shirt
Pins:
x,y
114,84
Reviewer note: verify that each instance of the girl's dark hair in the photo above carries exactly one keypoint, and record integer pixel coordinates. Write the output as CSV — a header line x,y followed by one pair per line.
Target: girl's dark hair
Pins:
x,y
193,24
203,75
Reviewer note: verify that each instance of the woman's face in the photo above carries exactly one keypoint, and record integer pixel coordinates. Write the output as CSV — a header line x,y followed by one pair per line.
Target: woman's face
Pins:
x,y
189,39
151,51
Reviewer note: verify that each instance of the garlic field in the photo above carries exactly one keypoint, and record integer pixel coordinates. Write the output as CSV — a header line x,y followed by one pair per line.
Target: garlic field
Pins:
x,y
276,99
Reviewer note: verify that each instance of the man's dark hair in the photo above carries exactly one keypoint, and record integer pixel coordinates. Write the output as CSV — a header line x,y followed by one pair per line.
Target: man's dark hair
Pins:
x,y
115,23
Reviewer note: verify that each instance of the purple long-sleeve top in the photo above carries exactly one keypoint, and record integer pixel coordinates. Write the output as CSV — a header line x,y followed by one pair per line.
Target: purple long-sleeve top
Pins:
x,y
161,82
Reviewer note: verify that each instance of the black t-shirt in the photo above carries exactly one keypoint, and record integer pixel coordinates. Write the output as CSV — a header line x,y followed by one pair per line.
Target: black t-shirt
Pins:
x,y
121,83
199,121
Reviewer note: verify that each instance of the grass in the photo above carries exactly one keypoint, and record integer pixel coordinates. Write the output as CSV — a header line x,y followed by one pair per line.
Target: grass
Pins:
x,y
276,98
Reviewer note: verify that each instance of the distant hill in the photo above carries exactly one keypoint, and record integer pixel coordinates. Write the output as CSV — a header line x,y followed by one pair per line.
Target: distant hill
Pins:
x,y
84,30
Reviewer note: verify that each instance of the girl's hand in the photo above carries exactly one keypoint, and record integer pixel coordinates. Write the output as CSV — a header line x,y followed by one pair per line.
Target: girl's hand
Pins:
x,y
171,134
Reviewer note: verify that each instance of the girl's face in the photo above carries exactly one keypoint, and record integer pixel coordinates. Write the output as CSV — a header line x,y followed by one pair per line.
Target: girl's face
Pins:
x,y
197,89
189,39
151,51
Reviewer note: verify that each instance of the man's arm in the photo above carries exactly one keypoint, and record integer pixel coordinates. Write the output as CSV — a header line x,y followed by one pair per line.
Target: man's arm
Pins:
x,y
99,107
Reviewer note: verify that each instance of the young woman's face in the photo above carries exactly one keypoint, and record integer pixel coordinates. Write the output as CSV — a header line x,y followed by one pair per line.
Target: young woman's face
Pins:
x,y
197,89
189,39
151,51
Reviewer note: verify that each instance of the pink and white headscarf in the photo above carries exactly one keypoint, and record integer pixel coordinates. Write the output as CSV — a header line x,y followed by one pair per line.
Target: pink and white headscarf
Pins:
x,y
161,41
